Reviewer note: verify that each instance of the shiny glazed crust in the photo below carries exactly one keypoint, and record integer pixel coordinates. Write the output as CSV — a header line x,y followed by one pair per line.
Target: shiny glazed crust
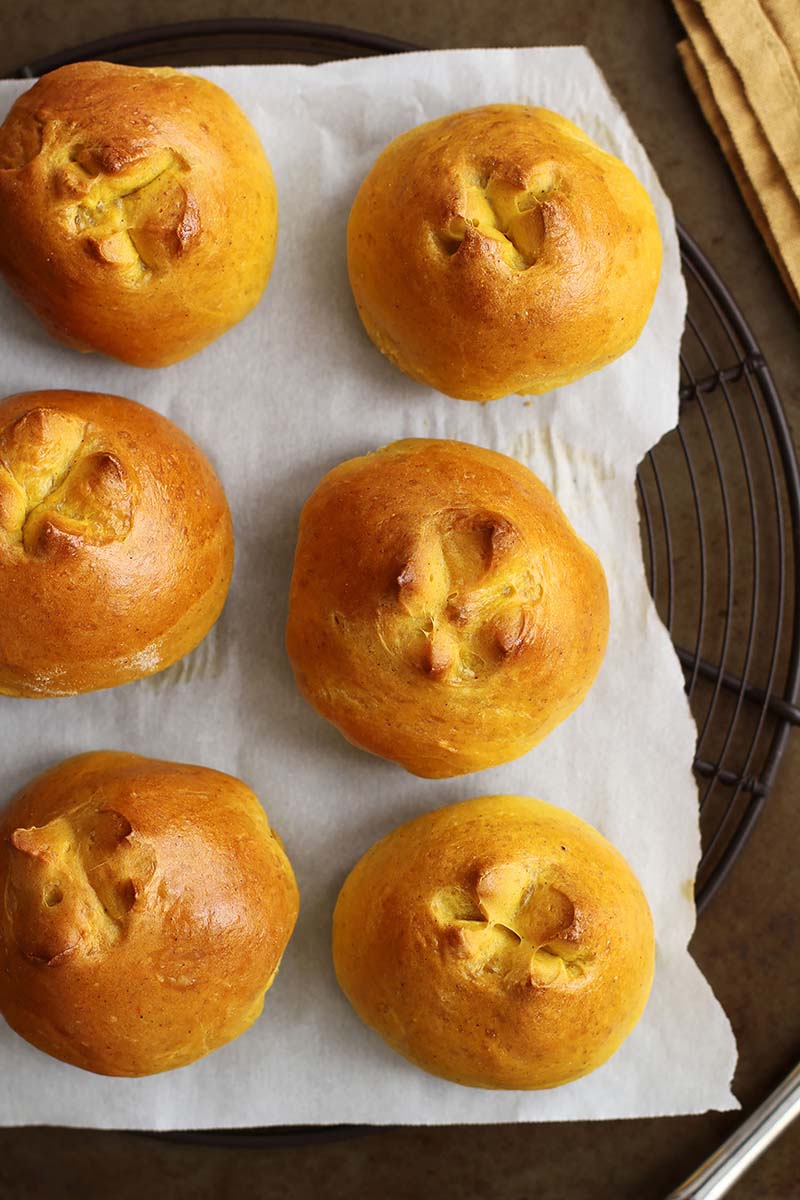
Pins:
x,y
499,250
145,909
138,213
443,613
116,543
498,943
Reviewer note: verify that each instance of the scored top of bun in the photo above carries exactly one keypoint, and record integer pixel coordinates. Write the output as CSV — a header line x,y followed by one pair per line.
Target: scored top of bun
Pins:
x,y
500,943
116,543
146,908
499,250
443,612
138,213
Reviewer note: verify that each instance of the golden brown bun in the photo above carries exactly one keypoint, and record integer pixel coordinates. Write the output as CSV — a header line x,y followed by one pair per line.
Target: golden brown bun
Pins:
x,y
138,213
500,250
147,907
116,544
443,613
499,943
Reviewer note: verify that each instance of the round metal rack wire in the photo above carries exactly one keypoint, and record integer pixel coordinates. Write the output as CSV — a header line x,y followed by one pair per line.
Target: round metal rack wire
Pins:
x,y
719,499
719,496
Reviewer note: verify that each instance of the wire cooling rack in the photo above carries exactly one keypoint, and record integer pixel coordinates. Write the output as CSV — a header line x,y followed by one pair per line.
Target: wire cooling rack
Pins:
x,y
719,499
719,496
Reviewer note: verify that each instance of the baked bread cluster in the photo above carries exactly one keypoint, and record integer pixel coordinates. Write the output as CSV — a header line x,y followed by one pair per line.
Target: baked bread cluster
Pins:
x,y
499,250
147,907
116,543
499,943
443,613
138,213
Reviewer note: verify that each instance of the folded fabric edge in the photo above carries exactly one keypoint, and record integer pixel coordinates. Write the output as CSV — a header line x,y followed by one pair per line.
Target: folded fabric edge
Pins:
x,y
768,75
783,16
764,172
698,81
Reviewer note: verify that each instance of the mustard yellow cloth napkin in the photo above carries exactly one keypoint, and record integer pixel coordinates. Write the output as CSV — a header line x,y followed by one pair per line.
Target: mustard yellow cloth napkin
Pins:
x,y
742,59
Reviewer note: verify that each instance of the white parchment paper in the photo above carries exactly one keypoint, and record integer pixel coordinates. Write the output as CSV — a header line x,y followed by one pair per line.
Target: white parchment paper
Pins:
x,y
293,390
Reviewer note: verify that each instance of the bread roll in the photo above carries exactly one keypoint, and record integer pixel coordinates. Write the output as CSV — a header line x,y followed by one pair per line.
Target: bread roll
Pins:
x,y
443,613
138,213
500,250
147,907
498,943
116,545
